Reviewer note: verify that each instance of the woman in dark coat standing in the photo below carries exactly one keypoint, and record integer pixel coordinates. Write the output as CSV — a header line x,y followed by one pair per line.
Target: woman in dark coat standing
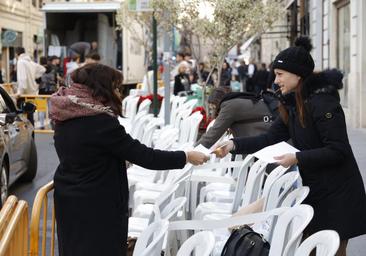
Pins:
x,y
91,191
311,115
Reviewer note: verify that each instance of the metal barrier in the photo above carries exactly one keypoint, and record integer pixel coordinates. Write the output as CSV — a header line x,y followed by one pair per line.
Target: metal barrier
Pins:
x,y
14,228
41,102
41,202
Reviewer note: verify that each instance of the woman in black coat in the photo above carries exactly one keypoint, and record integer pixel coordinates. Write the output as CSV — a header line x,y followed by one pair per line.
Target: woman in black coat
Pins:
x,y
181,80
311,115
91,190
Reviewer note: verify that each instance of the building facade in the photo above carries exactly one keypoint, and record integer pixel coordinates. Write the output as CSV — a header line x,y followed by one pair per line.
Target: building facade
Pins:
x,y
338,32
21,24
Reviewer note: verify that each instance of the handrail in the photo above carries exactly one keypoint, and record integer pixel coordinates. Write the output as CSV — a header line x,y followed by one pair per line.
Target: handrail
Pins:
x,y
15,238
41,200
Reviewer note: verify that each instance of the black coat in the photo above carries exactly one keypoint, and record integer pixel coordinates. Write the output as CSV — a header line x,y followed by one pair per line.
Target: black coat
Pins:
x,y
91,189
181,83
325,160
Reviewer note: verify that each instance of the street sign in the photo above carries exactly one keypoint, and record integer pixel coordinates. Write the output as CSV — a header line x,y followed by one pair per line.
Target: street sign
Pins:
x,y
9,37
140,5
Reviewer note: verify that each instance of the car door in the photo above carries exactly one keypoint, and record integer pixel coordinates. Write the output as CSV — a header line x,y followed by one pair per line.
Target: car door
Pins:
x,y
18,136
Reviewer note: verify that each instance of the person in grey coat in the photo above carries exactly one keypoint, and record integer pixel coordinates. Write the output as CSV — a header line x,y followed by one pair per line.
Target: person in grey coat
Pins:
x,y
312,116
241,113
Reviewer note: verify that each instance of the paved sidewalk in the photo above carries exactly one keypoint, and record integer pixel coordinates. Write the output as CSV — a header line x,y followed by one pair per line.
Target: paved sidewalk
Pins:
x,y
356,246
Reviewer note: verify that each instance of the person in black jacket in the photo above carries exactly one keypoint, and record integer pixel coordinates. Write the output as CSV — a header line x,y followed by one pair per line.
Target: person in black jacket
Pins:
x,y
311,115
91,190
181,80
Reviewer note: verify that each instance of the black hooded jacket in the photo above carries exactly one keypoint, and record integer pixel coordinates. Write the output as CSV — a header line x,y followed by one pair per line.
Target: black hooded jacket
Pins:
x,y
325,160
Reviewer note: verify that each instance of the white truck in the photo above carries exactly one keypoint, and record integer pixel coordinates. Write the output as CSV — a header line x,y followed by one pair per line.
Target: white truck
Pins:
x,y
70,22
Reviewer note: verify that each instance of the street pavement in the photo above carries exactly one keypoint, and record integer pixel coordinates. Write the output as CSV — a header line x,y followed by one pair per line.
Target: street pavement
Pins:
x,y
48,161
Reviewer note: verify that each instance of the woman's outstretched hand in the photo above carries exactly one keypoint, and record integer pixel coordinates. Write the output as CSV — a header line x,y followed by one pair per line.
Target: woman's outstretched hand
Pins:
x,y
196,158
286,160
223,148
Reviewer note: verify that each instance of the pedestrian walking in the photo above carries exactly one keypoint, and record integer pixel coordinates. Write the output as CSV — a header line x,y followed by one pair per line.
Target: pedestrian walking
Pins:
x,y
27,73
311,115
91,187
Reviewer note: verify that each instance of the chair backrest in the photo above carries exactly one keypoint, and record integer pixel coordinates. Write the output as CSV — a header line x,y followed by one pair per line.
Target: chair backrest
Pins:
x,y
201,244
144,106
195,121
176,104
149,130
252,187
137,130
165,197
125,103
288,230
151,239
131,107
249,192
279,189
326,243
271,178
183,122
166,139
295,197
172,208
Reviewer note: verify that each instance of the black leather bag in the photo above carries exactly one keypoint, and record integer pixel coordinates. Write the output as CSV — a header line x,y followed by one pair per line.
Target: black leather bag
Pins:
x,y
244,241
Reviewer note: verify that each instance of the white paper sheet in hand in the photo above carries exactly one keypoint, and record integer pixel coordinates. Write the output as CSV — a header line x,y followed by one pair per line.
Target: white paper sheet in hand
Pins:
x,y
266,154
202,149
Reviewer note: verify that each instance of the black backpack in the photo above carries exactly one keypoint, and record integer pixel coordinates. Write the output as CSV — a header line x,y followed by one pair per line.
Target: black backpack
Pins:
x,y
245,242
269,98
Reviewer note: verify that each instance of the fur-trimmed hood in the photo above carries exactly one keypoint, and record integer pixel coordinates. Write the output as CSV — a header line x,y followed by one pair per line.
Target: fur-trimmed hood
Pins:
x,y
328,81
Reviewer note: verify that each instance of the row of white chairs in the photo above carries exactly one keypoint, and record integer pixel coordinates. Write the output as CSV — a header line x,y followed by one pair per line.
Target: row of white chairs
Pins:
x,y
167,206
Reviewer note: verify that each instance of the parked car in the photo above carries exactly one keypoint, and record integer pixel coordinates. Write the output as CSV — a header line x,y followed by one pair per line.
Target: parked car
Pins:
x,y
18,154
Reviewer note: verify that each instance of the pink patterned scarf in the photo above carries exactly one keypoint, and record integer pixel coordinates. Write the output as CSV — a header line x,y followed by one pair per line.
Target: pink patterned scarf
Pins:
x,y
76,101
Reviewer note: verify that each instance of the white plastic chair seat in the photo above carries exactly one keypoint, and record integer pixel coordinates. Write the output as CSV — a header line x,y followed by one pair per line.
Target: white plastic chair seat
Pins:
x,y
220,196
145,197
212,207
137,225
215,186
326,243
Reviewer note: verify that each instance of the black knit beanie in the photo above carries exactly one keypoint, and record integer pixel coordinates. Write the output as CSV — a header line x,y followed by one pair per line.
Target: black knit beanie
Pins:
x,y
296,59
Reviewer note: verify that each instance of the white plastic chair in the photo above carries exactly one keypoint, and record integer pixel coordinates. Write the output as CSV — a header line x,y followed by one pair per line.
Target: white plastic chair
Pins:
x,y
144,205
136,224
326,243
201,244
251,193
151,240
287,232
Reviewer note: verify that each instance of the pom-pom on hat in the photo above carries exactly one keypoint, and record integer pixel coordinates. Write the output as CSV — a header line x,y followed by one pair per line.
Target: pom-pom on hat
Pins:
x,y
296,59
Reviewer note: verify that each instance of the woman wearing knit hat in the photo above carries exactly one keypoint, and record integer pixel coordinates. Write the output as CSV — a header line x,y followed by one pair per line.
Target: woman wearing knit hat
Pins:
x,y
311,115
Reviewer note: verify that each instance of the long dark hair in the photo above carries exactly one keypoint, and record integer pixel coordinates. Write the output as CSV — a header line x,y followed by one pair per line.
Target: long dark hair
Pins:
x,y
104,81
300,107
